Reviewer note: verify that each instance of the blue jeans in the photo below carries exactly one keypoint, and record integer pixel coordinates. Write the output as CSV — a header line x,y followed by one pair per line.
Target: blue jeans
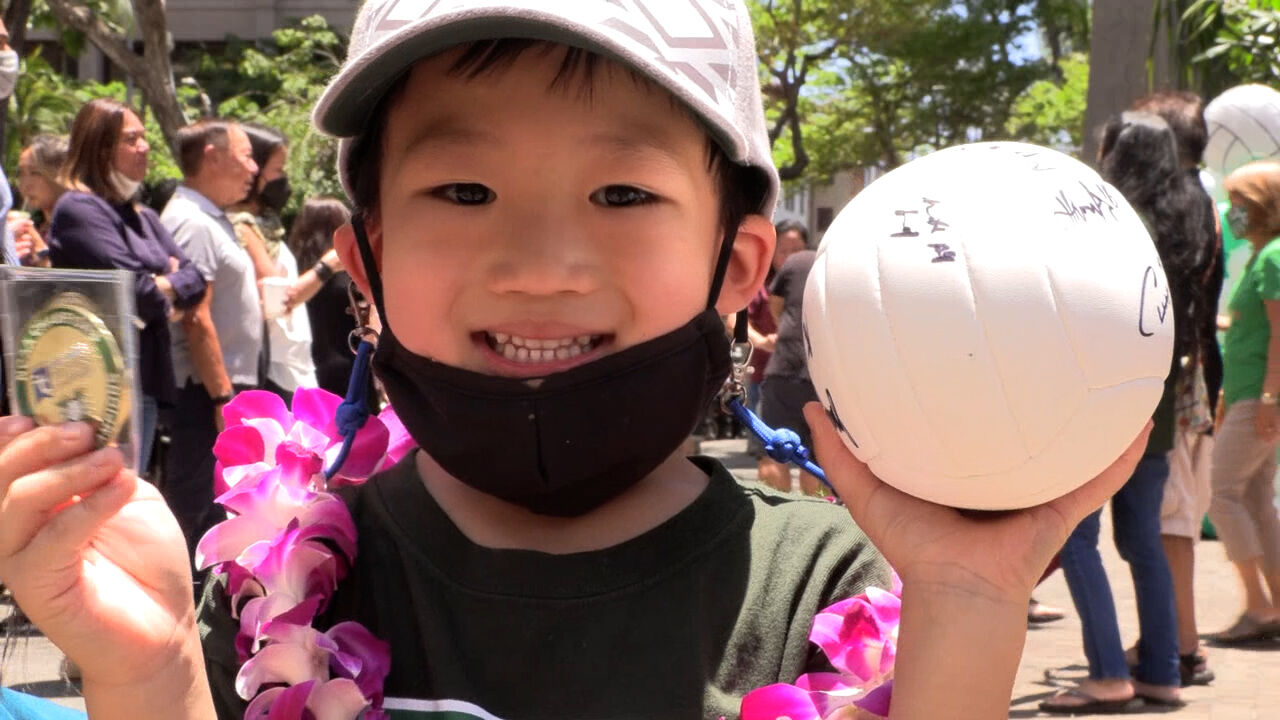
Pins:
x,y
1135,519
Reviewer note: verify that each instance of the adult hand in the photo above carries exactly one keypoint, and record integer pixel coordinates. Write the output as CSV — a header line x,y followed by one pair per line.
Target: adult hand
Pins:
x,y
995,556
166,288
1267,422
27,242
92,555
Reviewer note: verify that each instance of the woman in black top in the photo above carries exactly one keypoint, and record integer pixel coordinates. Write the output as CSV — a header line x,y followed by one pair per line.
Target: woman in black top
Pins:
x,y
98,225
326,293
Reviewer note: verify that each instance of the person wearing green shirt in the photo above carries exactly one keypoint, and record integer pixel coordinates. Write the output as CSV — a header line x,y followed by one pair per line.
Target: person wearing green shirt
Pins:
x,y
1244,459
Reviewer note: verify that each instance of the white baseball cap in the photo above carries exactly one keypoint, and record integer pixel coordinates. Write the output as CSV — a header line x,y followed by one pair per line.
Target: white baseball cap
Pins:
x,y
701,51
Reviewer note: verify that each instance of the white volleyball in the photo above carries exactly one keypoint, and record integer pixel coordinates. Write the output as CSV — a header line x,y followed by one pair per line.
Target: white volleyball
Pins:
x,y
989,326
1244,125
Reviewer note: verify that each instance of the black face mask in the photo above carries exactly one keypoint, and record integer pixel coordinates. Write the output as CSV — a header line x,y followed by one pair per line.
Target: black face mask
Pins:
x,y
275,194
578,439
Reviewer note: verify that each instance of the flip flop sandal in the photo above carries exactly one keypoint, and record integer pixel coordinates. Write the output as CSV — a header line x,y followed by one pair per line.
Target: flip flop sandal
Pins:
x,y
1194,670
1245,631
1038,613
1091,705
1157,704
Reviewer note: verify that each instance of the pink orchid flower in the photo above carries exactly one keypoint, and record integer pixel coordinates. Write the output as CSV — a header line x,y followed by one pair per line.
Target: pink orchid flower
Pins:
x,y
291,575
338,699
260,428
263,506
859,636
298,654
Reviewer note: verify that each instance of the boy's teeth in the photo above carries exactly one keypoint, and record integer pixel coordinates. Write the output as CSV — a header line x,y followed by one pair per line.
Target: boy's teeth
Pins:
x,y
514,347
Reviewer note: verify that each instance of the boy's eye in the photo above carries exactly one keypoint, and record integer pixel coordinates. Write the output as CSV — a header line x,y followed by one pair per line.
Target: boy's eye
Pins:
x,y
465,193
621,196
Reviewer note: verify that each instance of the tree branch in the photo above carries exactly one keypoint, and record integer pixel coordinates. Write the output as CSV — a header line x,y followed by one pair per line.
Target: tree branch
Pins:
x,y
110,42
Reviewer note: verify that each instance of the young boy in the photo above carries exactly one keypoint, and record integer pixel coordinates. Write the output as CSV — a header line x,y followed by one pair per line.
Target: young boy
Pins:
x,y
556,202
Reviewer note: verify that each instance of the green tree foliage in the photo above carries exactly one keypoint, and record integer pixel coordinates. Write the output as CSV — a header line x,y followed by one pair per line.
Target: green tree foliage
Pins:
x,y
276,85
1051,111
850,83
799,41
1238,41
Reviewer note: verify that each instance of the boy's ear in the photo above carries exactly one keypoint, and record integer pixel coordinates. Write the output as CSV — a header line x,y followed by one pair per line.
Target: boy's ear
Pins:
x,y
748,264
344,241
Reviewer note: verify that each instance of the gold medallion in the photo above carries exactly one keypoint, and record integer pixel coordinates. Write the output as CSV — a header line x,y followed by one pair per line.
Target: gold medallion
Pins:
x,y
69,368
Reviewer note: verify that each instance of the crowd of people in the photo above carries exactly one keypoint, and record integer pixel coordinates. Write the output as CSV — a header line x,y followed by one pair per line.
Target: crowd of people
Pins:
x,y
691,588
202,256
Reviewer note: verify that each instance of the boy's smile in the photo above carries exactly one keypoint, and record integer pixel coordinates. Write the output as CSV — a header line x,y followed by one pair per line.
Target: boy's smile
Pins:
x,y
529,224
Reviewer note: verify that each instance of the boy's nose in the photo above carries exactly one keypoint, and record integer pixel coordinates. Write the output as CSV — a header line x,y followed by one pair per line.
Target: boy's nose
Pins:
x,y
542,257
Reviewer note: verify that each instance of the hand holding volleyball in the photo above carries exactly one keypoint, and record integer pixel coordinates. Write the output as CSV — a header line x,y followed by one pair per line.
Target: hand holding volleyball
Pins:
x,y
988,326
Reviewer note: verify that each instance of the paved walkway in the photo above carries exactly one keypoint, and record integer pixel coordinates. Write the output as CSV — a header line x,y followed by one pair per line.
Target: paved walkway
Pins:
x,y
1247,686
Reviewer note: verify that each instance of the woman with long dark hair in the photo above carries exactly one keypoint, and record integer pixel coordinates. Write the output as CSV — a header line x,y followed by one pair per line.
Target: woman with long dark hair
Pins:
x,y
1139,156
99,225
328,300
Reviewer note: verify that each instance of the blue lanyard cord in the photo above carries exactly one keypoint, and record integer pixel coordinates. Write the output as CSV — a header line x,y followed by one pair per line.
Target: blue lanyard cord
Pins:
x,y
354,410
782,445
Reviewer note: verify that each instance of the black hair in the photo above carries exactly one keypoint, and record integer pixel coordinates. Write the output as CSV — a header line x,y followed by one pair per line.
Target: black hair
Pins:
x,y
263,142
312,233
741,188
1184,112
1139,156
191,140
792,225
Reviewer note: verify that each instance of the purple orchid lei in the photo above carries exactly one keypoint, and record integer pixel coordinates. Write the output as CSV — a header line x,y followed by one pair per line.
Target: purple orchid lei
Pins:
x,y
859,636
288,542
284,548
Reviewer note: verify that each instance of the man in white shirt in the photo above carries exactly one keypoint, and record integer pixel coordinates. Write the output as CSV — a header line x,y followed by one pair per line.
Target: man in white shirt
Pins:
x,y
218,352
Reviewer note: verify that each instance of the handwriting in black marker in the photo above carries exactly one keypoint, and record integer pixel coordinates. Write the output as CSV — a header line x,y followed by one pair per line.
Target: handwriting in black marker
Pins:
x,y
1036,165
835,418
1151,281
1100,202
906,229
944,253
935,223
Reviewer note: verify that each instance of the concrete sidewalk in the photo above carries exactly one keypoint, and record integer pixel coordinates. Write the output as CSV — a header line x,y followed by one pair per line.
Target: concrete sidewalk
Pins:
x,y
1247,685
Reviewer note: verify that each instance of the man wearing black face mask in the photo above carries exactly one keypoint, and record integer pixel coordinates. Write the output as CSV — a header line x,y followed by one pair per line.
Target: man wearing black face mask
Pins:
x,y
287,363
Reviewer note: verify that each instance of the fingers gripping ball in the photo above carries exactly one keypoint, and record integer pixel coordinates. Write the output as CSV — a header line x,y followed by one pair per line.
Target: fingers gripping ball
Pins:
x,y
988,326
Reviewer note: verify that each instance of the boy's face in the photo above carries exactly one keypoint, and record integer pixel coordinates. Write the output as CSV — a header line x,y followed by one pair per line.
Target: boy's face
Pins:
x,y
524,229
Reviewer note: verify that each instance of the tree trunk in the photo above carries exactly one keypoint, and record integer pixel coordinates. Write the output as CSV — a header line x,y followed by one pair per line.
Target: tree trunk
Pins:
x,y
1119,47
151,70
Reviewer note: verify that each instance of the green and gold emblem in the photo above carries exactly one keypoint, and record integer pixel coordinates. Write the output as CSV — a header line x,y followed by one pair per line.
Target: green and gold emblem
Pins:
x,y
69,368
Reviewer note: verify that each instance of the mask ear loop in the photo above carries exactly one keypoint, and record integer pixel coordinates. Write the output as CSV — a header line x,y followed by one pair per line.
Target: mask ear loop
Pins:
x,y
353,411
781,444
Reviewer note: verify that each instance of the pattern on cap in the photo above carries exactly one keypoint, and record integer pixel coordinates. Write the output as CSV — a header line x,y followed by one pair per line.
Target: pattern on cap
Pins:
x,y
694,40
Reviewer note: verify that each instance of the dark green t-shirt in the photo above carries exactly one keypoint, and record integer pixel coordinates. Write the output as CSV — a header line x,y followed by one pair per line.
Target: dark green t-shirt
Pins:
x,y
680,622
1244,351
